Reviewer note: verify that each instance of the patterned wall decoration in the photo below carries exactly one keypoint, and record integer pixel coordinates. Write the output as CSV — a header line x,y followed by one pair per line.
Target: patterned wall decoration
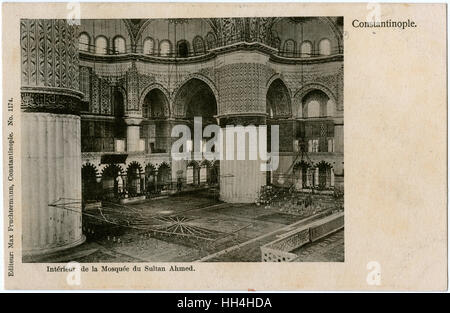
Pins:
x,y
242,120
49,102
49,53
133,88
144,82
340,88
314,74
242,88
105,97
95,95
208,72
249,29
49,66
278,99
99,93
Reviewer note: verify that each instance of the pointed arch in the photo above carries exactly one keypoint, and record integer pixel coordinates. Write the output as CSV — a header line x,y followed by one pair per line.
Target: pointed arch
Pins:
x,y
164,93
201,77
278,99
195,87
302,92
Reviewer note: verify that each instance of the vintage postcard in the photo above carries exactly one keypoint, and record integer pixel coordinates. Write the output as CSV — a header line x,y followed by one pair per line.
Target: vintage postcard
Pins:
x,y
203,146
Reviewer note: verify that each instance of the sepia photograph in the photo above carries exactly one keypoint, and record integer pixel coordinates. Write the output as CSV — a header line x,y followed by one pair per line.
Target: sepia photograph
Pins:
x,y
182,140
162,147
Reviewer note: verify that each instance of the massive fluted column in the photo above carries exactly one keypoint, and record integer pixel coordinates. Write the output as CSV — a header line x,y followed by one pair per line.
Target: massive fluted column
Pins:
x,y
50,137
242,101
241,177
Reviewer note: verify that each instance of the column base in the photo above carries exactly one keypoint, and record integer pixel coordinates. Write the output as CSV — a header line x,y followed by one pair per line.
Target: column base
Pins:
x,y
51,250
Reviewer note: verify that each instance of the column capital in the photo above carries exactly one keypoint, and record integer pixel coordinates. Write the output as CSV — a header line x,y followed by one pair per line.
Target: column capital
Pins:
x,y
133,121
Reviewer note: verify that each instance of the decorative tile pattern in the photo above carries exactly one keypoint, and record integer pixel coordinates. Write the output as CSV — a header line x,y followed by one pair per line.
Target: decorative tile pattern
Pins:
x,y
49,53
49,66
242,88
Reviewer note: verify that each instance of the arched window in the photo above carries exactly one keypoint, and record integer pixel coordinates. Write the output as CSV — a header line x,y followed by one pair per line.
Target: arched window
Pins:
x,y
315,104
210,41
149,45
83,42
306,49
101,45
183,49
325,47
289,47
119,45
199,46
164,48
